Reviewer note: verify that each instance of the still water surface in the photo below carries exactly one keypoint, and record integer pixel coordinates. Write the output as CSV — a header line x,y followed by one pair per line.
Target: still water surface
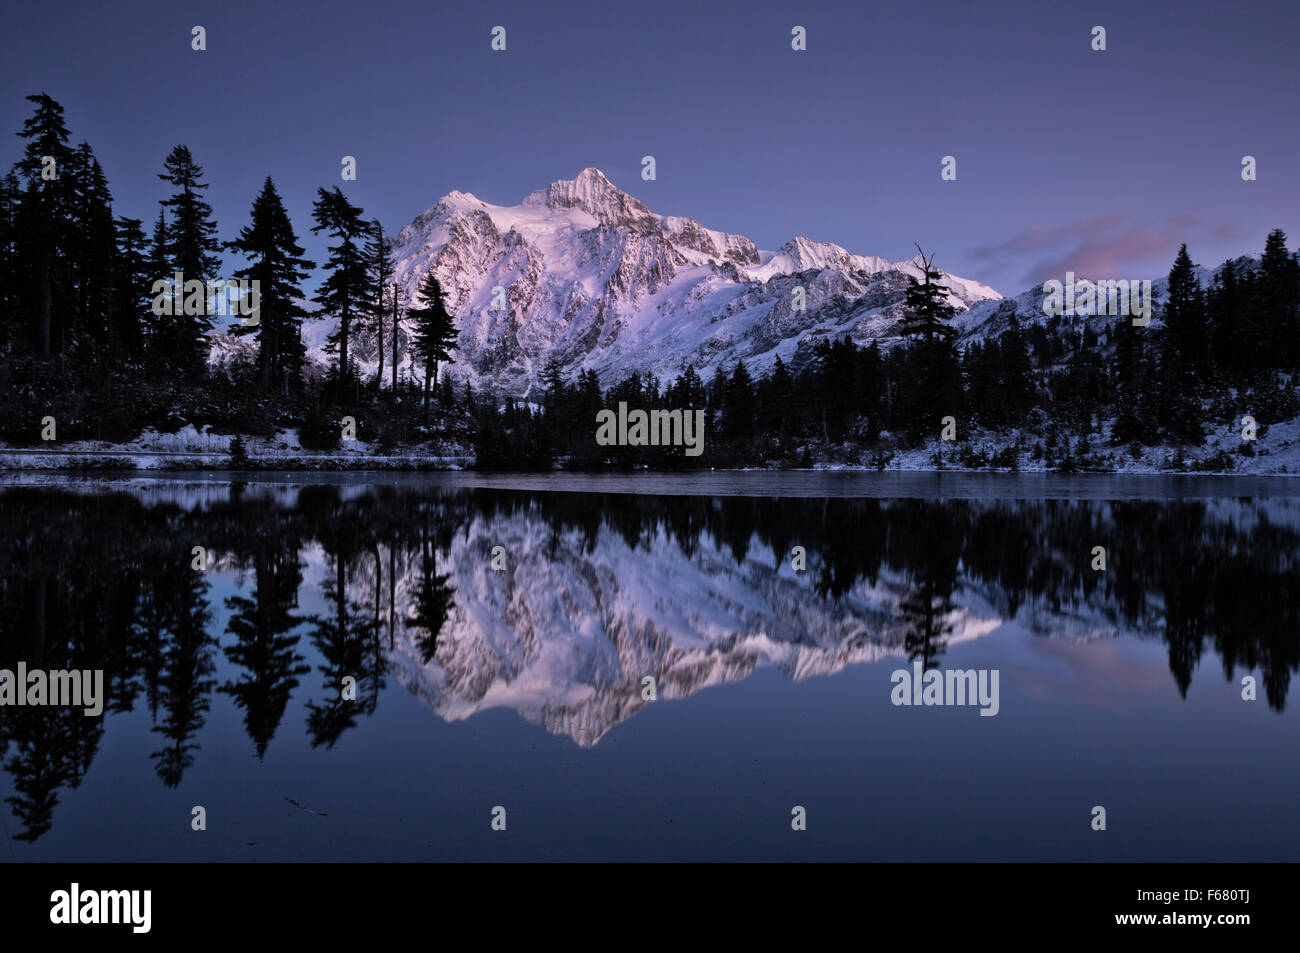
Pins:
x,y
524,687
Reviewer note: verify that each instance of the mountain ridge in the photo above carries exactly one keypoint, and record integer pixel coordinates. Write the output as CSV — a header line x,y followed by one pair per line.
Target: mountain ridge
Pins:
x,y
591,277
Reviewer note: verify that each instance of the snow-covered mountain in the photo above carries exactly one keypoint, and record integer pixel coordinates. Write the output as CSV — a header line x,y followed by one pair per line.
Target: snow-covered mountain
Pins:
x,y
592,277
584,273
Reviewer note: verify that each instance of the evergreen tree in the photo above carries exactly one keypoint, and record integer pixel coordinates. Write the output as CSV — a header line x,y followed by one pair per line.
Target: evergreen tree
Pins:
x,y
92,260
1184,313
691,389
131,285
1017,372
396,297
10,322
435,332
43,225
738,406
1277,303
159,269
275,262
553,385
1134,402
346,290
926,310
1013,360
715,398
447,392
935,384
777,396
980,367
191,247
1185,351
1227,321
380,264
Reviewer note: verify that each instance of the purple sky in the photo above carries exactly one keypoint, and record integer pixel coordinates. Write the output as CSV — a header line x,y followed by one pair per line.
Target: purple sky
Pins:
x,y
1100,163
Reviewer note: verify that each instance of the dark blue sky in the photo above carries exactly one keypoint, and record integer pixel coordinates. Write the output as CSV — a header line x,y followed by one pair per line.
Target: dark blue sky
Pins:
x,y
1099,162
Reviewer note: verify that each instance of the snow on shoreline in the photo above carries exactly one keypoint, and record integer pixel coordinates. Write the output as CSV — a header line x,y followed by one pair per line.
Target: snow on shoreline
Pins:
x,y
192,448
1275,452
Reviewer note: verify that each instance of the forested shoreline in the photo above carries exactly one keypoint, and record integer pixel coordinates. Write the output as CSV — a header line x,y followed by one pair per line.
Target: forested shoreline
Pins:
x,y
86,355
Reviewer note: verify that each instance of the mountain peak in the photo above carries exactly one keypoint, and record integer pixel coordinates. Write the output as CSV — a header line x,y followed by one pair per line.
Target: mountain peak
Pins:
x,y
592,192
592,174
458,197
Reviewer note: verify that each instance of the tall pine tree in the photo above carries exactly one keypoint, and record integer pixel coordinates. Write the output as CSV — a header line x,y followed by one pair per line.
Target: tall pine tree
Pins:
x,y
10,324
435,332
1185,351
346,290
1228,329
159,269
131,284
1277,302
936,389
191,248
380,264
43,221
275,261
91,266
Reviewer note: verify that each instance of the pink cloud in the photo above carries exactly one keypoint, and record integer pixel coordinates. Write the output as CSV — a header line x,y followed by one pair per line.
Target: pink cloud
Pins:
x,y
1106,246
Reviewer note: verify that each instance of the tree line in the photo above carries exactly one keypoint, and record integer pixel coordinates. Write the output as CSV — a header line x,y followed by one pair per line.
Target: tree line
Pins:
x,y
82,337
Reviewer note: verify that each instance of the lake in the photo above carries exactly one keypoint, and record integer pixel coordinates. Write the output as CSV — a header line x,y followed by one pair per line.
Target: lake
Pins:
x,y
696,666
